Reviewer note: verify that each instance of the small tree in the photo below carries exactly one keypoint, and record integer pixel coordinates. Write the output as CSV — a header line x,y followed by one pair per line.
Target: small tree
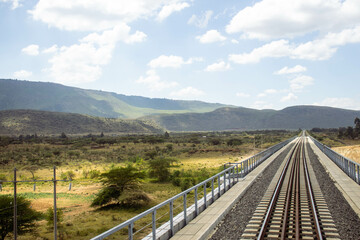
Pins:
x,y
160,168
26,216
357,127
349,132
49,216
234,142
116,182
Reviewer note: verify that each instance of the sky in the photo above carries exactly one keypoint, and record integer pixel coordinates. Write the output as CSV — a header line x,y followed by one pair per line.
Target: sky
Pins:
x,y
266,54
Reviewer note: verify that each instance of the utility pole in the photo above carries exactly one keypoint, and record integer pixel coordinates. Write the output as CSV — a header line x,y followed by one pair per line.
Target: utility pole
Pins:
x,y
15,206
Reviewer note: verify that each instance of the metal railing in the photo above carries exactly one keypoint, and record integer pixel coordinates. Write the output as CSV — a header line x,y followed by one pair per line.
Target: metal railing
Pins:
x,y
348,166
251,163
225,180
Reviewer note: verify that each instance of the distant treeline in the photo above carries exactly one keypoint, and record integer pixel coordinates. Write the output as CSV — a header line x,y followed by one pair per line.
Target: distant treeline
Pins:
x,y
343,132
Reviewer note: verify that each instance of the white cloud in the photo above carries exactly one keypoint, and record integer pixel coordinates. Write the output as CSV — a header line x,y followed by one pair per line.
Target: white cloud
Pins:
x,y
267,92
187,93
268,19
171,61
14,3
318,49
22,74
270,91
119,33
289,97
83,62
211,36
99,15
53,49
201,21
287,70
32,50
153,81
169,9
243,95
274,49
298,83
234,41
218,67
340,103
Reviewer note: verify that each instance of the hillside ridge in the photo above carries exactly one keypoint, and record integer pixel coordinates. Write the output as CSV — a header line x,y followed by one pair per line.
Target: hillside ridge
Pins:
x,y
18,94
294,117
29,122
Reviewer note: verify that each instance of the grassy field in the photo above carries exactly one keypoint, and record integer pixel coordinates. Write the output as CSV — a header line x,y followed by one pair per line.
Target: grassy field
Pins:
x,y
84,159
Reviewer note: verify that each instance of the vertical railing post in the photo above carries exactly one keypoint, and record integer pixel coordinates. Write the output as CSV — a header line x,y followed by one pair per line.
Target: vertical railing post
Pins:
x,y
15,206
55,207
219,187
205,195
212,190
237,172
130,231
154,224
229,174
185,209
171,218
196,202
224,181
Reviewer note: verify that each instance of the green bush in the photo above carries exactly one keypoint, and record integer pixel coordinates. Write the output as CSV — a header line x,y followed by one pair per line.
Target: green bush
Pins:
x,y
49,216
118,181
94,174
67,175
26,215
160,168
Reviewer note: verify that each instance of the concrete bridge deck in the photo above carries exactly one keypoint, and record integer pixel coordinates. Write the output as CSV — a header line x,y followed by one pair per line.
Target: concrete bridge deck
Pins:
x,y
203,225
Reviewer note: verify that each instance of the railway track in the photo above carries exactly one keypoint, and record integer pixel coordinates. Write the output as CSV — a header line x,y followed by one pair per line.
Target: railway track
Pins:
x,y
293,206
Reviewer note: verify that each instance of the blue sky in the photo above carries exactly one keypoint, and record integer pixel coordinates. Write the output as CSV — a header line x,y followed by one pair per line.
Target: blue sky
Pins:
x,y
257,54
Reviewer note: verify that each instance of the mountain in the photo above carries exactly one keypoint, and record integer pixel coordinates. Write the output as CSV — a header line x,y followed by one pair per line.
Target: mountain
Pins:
x,y
15,94
305,117
16,122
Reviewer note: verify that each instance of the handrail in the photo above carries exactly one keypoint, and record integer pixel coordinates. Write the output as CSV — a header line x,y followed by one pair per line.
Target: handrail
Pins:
x,y
348,166
230,176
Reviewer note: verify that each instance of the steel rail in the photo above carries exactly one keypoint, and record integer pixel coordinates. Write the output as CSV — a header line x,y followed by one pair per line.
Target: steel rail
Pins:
x,y
288,195
292,205
275,195
312,201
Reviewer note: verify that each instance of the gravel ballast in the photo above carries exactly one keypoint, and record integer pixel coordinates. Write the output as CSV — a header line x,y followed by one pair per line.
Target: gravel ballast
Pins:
x,y
346,220
234,223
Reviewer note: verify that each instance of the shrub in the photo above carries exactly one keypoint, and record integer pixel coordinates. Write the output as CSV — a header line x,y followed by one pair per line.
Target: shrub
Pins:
x,y
160,168
49,216
234,142
116,182
67,175
26,215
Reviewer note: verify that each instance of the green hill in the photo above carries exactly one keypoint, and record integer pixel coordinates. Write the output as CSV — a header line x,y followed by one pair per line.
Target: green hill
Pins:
x,y
16,122
305,117
16,94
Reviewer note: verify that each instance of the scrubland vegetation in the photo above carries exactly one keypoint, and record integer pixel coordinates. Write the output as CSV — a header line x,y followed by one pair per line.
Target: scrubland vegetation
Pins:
x,y
116,178
344,140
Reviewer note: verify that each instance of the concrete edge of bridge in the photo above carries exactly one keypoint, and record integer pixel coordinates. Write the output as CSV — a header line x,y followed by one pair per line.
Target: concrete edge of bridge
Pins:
x,y
204,225
349,189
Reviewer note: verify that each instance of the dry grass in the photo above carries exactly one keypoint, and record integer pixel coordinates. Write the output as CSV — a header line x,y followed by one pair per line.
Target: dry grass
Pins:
x,y
351,152
197,163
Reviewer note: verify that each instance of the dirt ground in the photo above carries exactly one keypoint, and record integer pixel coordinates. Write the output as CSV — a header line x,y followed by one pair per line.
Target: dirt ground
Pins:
x,y
351,152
